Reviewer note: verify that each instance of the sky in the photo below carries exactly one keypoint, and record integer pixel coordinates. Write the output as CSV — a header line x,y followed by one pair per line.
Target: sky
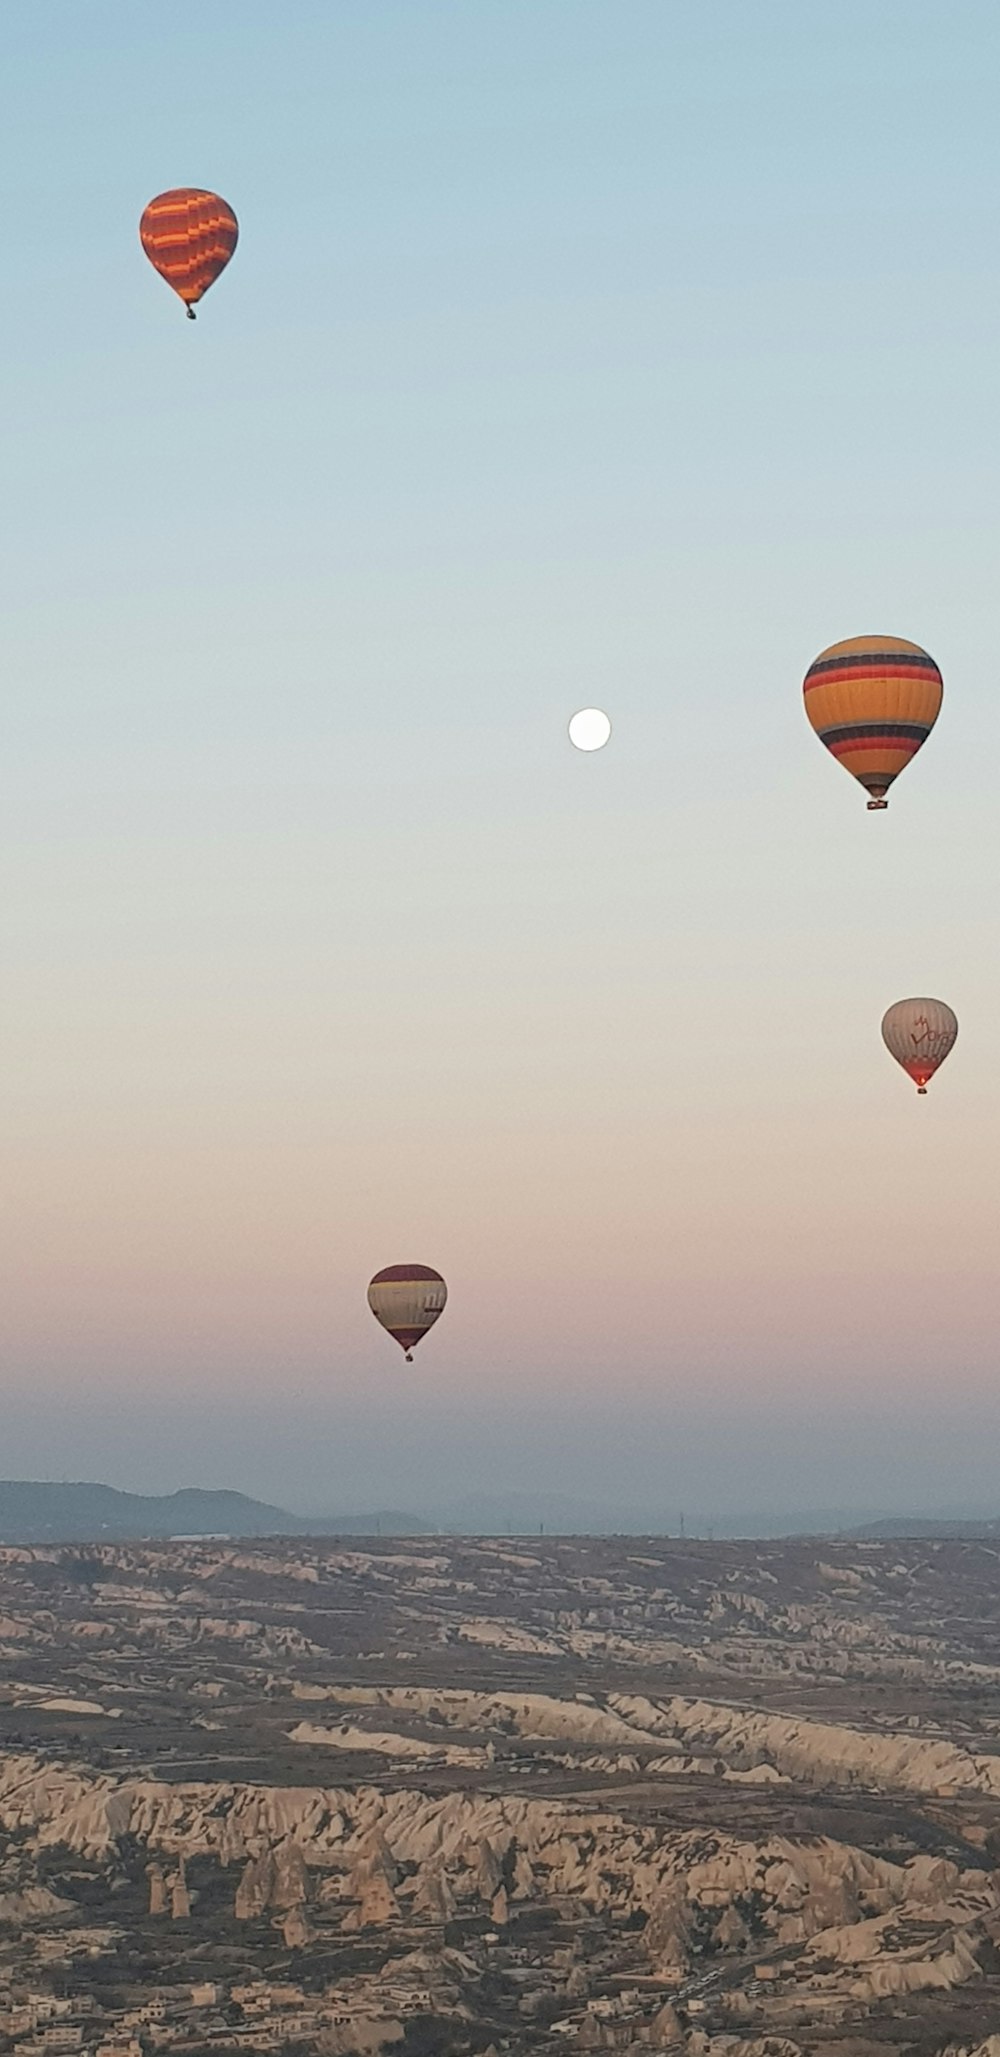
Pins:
x,y
572,354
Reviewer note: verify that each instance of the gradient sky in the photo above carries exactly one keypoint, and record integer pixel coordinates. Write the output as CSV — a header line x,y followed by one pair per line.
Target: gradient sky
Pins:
x,y
623,352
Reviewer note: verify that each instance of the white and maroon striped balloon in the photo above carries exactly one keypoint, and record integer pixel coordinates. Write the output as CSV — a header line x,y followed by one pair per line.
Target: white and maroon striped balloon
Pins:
x,y
407,1299
919,1035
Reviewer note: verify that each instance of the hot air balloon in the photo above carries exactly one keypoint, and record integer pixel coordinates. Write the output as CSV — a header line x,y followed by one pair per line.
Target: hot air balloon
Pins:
x,y
407,1299
919,1035
873,700
189,236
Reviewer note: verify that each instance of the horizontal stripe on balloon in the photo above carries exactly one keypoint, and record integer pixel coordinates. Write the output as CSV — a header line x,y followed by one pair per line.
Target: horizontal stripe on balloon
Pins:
x,y
401,1273
841,672
847,660
888,749
868,731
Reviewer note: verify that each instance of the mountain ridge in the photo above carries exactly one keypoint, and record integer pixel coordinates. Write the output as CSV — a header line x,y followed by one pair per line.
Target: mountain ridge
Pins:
x,y
39,1511
80,1511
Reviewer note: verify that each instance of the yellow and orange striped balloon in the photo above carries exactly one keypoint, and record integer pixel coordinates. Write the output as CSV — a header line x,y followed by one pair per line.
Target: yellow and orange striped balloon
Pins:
x,y
873,701
189,235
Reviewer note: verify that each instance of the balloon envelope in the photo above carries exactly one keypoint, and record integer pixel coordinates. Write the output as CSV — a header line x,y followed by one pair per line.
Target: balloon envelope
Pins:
x,y
873,701
189,235
407,1299
919,1035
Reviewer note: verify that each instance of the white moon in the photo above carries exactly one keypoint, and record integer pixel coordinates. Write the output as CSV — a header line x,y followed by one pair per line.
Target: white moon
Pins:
x,y
590,729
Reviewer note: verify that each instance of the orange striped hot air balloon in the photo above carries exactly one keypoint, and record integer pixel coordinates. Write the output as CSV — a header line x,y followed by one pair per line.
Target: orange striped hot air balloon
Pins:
x,y
407,1299
919,1034
873,700
189,236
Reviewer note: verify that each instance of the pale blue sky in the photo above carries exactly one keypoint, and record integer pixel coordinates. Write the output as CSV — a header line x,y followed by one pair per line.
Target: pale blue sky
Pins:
x,y
623,354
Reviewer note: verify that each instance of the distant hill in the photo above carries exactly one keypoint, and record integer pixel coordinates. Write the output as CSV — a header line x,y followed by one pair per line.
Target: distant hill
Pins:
x,y
36,1511
40,1511
902,1528
562,1514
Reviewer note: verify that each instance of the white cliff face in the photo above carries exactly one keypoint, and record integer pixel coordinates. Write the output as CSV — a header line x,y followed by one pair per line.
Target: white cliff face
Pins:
x,y
386,1744
703,1734
63,1703
836,1894
815,1752
505,1635
525,1714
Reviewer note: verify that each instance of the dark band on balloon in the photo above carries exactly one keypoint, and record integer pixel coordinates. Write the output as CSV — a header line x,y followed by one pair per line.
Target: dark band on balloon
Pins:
x,y
914,732
856,665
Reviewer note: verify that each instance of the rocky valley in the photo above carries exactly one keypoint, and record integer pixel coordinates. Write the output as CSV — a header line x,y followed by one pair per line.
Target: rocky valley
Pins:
x,y
733,1800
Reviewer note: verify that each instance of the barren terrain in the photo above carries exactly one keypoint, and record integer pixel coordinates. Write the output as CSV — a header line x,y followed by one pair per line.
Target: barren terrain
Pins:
x,y
461,1793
